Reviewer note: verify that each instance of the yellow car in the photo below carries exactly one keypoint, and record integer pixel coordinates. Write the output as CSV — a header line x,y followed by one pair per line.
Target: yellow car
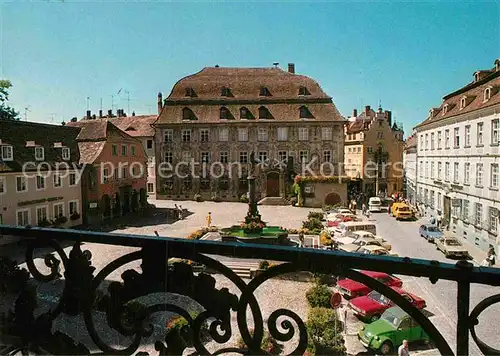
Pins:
x,y
401,211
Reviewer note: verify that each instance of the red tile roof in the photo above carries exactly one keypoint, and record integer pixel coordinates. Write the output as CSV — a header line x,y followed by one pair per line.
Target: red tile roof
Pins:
x,y
474,92
136,126
283,101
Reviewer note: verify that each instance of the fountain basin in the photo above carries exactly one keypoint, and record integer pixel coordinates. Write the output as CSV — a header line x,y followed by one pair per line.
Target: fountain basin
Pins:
x,y
272,235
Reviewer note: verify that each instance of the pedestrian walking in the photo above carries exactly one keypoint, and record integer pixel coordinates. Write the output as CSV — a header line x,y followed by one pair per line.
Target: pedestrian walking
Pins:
x,y
363,208
181,212
491,256
439,220
403,349
209,219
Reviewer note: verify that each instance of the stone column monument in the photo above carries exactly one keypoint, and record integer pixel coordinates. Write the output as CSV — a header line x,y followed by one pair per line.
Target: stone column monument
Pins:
x,y
252,203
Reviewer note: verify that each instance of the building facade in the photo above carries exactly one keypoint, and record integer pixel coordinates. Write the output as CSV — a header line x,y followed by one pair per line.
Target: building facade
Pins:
x,y
410,168
141,128
458,159
374,152
115,176
39,175
217,117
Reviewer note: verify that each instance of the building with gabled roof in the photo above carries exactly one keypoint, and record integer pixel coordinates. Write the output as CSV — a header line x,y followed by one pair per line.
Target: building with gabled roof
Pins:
x,y
374,152
39,175
218,116
459,157
115,178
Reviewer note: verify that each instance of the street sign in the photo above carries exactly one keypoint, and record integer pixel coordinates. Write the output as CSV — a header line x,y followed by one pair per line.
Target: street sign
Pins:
x,y
335,300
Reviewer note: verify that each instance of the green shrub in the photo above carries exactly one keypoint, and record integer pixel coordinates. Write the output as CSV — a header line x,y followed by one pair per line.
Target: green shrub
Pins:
x,y
12,278
244,198
269,344
325,332
263,265
319,296
313,224
315,215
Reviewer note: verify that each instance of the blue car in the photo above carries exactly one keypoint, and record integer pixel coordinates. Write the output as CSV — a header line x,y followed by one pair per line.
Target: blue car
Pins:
x,y
430,232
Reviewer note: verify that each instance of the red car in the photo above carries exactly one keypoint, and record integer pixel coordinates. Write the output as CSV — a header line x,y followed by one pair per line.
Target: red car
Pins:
x,y
337,222
352,289
372,306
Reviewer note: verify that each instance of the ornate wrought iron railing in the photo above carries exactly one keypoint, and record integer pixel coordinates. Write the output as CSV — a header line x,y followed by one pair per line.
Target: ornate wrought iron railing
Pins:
x,y
25,331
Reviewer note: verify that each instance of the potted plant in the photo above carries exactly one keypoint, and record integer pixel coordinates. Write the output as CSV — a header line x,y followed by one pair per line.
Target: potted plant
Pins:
x,y
75,216
60,220
44,223
197,198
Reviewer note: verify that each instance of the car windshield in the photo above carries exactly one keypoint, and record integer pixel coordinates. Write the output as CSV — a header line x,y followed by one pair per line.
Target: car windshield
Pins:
x,y
433,229
403,208
391,319
375,203
379,298
452,243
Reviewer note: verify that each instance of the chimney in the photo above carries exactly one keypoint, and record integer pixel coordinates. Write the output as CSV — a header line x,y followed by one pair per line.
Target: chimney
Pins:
x,y
291,68
354,113
110,113
74,119
133,113
388,116
160,103
367,110
119,113
88,115
100,114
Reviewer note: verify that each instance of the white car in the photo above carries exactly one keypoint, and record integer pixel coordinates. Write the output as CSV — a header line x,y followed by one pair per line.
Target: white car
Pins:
x,y
375,205
344,211
353,236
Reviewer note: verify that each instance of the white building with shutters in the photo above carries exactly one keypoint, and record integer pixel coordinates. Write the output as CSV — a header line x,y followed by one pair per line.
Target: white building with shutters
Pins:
x,y
458,159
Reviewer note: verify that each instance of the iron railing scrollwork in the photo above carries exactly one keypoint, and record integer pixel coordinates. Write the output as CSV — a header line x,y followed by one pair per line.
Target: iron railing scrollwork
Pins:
x,y
80,295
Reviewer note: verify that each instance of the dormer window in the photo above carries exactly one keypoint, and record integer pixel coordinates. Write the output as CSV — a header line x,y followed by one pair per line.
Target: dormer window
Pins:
x,y
476,77
225,92
463,102
304,113
7,153
187,114
65,153
487,94
190,92
245,113
39,153
225,114
303,91
445,109
264,91
264,113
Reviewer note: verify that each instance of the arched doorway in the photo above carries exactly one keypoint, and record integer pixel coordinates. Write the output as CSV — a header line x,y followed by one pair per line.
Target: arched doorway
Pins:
x,y
106,206
117,208
273,184
332,199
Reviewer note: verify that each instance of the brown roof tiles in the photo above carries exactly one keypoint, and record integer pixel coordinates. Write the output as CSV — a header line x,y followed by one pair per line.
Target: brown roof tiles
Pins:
x,y
245,85
474,92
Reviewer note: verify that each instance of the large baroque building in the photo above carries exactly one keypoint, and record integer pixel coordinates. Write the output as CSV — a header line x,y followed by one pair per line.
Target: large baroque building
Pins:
x,y
459,158
218,116
374,151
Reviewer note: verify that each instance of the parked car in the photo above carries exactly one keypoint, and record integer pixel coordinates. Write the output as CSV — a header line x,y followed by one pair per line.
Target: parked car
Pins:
x,y
388,333
344,211
451,247
364,241
430,232
347,228
354,235
374,204
351,289
340,219
375,251
370,307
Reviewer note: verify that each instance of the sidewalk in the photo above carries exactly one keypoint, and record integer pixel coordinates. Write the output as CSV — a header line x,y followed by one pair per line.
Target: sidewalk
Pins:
x,y
476,253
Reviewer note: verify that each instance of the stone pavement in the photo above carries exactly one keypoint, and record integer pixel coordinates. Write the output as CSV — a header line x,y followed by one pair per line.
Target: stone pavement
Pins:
x,y
223,215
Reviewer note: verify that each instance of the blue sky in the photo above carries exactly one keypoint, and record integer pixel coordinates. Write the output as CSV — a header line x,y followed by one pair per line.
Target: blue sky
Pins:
x,y
407,55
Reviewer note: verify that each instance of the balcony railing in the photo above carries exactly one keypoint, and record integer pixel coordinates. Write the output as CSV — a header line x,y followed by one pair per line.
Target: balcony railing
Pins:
x,y
29,329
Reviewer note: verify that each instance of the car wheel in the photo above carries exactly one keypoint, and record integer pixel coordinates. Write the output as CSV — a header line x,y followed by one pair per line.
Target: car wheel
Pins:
x,y
386,348
374,318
